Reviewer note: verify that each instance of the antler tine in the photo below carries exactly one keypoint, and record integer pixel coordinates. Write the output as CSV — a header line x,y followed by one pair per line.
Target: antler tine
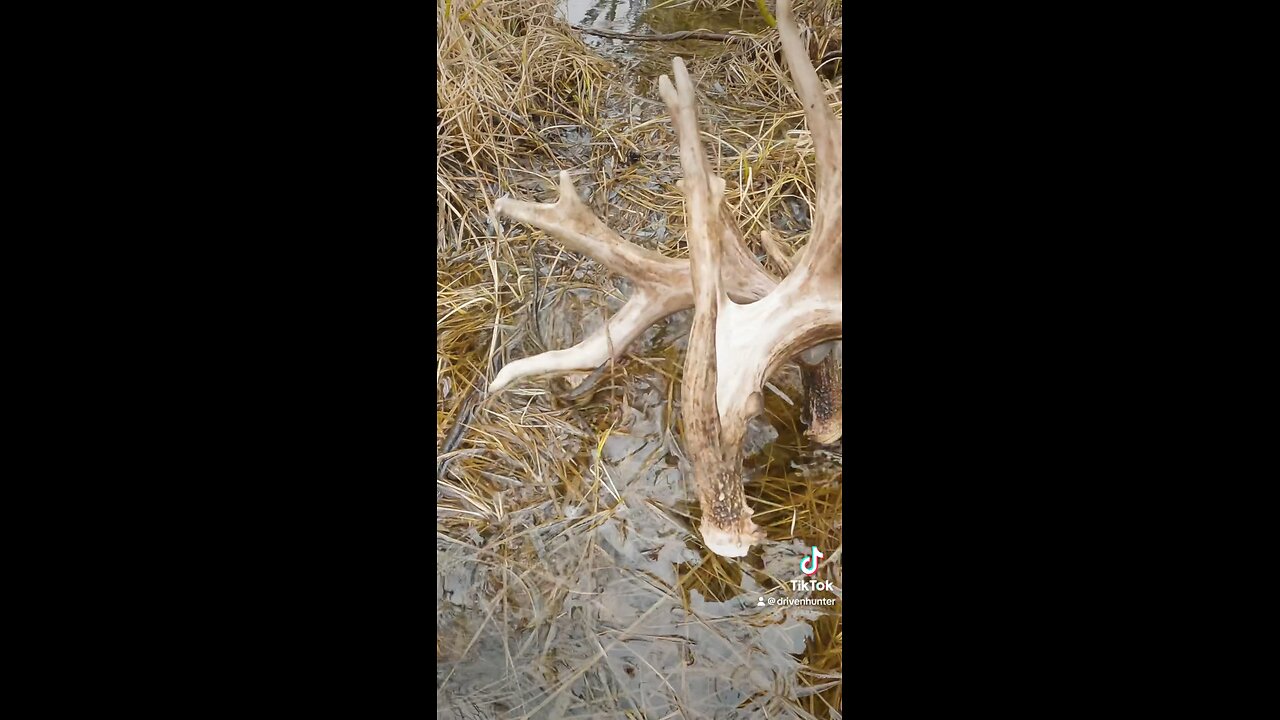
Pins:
x,y
742,275
681,101
643,309
822,124
570,221
827,140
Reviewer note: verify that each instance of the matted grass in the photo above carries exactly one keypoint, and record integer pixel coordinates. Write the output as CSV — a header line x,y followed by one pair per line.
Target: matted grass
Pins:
x,y
569,574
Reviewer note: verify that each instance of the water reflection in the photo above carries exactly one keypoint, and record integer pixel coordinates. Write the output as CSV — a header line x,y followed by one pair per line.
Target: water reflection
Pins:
x,y
620,15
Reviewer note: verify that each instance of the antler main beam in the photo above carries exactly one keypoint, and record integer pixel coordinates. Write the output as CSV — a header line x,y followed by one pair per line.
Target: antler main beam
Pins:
x,y
732,347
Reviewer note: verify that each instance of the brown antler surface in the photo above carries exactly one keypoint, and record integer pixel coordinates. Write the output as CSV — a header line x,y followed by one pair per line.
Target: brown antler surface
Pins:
x,y
820,370
746,324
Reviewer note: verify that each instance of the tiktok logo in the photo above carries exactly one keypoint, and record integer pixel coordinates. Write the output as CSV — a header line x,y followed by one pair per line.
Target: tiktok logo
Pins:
x,y
809,564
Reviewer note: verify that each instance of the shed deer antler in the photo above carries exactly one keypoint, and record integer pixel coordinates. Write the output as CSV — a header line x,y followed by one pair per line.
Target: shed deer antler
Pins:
x,y
746,324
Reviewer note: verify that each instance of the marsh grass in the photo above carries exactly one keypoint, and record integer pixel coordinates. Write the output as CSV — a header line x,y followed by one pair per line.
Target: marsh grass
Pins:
x,y
568,570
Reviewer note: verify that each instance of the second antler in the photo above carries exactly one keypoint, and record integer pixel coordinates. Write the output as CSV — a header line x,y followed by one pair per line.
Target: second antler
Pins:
x,y
746,323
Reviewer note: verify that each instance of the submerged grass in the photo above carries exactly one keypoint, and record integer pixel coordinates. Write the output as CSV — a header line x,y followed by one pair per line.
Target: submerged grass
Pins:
x,y
564,524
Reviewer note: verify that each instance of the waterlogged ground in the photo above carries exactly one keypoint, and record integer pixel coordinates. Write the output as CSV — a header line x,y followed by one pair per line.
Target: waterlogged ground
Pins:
x,y
638,16
613,607
586,593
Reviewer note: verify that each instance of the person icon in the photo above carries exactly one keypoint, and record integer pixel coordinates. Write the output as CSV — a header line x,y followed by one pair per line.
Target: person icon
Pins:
x,y
761,603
